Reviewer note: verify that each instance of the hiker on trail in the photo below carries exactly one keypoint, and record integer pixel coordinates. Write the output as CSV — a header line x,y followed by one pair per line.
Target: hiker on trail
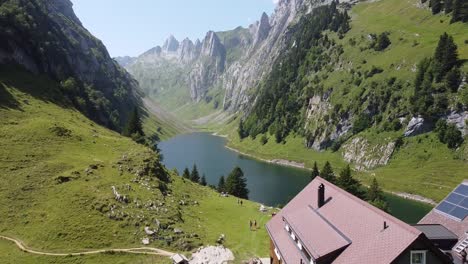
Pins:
x,y
255,224
241,202
250,223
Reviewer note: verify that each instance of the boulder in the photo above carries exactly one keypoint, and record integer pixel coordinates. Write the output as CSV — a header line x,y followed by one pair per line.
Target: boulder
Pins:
x,y
145,241
148,231
416,126
460,120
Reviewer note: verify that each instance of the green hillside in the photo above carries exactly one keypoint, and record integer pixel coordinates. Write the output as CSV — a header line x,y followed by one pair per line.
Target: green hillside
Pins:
x,y
358,80
58,169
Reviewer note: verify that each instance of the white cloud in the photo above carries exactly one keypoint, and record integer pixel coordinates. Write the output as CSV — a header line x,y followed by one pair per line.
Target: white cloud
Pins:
x,y
275,2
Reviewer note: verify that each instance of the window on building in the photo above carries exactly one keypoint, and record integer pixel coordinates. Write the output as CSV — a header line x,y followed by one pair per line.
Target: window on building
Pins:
x,y
418,257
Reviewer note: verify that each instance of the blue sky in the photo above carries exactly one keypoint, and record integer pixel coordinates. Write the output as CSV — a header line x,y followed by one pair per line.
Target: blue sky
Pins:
x,y
130,27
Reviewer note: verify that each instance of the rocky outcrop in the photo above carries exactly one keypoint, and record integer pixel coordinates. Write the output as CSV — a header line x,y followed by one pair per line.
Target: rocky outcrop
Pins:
x,y
322,131
416,126
187,51
262,29
210,66
366,155
171,45
460,120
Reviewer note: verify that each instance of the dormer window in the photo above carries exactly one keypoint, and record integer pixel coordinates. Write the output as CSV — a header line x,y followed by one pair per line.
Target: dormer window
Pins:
x,y
418,257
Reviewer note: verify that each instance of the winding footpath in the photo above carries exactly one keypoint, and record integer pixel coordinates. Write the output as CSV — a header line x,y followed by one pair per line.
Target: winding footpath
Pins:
x,y
139,250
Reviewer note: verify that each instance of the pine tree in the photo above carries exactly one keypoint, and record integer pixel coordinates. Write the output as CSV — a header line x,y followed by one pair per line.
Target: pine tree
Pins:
x,y
349,184
203,180
460,11
195,176
315,171
374,193
186,173
133,126
221,185
451,55
448,6
453,79
445,57
236,184
376,197
241,130
436,6
327,173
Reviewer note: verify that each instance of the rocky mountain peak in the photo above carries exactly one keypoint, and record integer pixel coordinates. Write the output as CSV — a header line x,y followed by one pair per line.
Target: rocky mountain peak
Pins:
x,y
212,46
262,29
64,7
171,44
187,51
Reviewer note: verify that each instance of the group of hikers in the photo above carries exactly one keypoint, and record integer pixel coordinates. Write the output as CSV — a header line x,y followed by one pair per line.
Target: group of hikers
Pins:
x,y
253,225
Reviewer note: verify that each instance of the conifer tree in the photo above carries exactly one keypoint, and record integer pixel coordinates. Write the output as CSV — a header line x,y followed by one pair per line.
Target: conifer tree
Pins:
x,y
436,6
374,193
349,184
195,176
327,173
375,196
445,56
221,185
453,79
203,180
448,6
315,171
460,11
186,173
133,125
236,184
241,130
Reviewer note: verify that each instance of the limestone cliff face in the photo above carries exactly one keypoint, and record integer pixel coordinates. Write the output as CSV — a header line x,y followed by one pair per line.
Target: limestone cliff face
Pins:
x,y
269,39
51,40
209,66
234,61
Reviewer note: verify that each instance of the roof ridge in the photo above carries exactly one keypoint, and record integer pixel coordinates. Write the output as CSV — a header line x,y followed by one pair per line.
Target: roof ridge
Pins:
x,y
390,217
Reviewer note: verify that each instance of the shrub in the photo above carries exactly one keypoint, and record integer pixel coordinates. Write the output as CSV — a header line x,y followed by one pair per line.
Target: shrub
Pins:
x,y
382,42
362,122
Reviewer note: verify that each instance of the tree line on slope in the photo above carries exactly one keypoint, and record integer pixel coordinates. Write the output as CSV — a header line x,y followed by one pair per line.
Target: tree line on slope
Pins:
x,y
280,101
437,79
234,184
345,180
458,8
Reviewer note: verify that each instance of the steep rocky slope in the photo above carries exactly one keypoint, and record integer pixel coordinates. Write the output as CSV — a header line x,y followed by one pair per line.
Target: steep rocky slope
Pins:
x,y
46,37
223,69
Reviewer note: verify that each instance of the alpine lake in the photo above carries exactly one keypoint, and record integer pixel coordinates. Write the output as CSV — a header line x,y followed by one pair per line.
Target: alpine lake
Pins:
x,y
268,183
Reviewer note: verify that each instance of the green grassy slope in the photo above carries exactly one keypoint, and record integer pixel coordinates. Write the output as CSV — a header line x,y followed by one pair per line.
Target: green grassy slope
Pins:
x,y
57,169
11,255
422,165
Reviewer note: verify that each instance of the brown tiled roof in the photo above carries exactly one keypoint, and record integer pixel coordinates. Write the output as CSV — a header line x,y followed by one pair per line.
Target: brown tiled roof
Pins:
x,y
344,223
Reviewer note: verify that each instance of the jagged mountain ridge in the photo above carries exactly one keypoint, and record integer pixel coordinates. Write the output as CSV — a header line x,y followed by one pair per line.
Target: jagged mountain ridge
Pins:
x,y
248,56
46,37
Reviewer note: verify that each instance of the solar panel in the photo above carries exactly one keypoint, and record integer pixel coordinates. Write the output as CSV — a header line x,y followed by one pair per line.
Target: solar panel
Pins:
x,y
462,189
459,212
456,204
454,198
464,203
445,207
